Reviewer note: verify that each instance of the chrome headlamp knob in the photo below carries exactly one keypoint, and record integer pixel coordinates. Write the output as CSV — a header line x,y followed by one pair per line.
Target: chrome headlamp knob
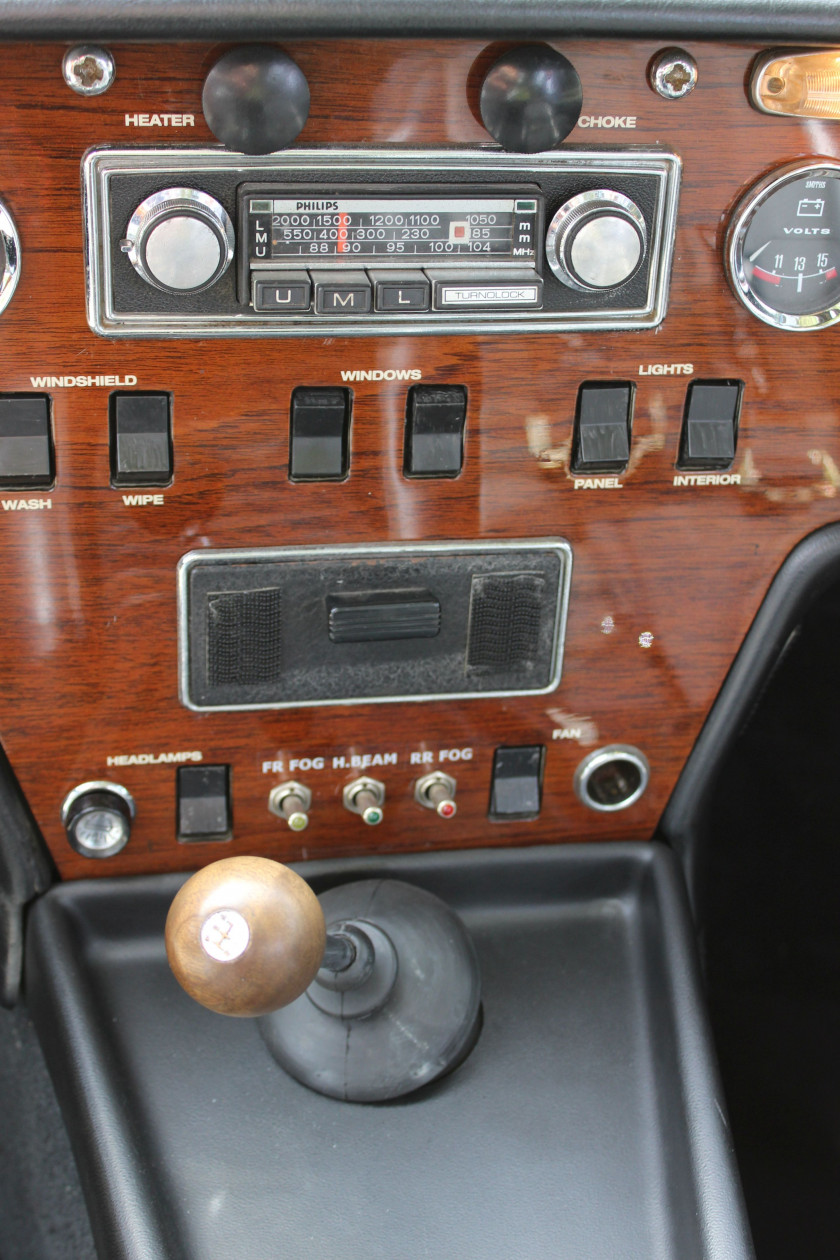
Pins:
x,y
9,257
596,241
180,240
97,817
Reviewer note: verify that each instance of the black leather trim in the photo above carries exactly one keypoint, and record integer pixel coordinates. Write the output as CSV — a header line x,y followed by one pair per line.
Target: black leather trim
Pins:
x,y
25,871
812,566
813,20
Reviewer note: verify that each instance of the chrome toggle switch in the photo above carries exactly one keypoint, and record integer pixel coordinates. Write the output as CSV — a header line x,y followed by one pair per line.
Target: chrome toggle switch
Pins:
x,y
366,797
437,791
291,801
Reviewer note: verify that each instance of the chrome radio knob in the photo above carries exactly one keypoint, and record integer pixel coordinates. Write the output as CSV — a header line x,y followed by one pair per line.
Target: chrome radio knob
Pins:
x,y
9,257
179,240
596,241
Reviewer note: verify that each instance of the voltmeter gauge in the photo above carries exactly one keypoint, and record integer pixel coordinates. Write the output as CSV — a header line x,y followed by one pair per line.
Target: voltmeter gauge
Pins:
x,y
783,247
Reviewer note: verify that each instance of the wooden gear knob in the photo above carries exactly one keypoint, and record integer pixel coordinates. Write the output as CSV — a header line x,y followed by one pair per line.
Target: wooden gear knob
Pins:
x,y
245,936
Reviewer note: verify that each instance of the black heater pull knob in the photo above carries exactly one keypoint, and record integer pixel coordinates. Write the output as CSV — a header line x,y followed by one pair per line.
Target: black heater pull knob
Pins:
x,y
255,99
531,99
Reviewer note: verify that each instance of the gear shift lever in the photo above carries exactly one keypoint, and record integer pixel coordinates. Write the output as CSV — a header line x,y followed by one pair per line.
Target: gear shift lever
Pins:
x,y
365,994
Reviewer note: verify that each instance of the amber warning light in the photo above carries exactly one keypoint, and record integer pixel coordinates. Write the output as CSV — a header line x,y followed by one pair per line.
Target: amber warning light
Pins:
x,y
797,84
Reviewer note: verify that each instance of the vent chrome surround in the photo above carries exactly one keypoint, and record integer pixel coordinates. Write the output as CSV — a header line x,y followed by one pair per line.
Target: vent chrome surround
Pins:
x,y
194,559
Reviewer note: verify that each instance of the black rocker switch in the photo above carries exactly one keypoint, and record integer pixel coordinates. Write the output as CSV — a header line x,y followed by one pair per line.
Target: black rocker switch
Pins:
x,y
516,790
204,808
434,430
603,424
710,424
319,446
26,449
141,439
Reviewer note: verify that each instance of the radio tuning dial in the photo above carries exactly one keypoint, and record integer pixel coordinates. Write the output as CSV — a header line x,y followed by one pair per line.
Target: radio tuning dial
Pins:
x,y
596,241
180,240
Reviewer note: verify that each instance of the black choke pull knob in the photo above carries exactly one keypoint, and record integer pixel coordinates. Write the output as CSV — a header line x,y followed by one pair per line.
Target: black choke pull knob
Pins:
x,y
255,99
531,99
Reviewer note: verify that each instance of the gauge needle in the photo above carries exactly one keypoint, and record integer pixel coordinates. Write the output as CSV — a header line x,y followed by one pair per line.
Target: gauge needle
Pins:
x,y
760,250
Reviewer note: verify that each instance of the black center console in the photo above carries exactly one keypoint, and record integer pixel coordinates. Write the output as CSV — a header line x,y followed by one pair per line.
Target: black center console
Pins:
x,y
586,1123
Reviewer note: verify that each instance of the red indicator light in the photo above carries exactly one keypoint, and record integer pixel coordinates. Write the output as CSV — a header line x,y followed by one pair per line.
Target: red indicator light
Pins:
x,y
459,231
446,809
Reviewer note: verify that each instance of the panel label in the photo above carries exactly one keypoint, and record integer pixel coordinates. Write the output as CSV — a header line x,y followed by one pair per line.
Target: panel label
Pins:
x,y
598,483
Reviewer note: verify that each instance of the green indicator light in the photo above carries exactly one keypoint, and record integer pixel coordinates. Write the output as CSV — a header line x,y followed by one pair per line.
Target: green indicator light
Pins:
x,y
521,207
261,207
372,816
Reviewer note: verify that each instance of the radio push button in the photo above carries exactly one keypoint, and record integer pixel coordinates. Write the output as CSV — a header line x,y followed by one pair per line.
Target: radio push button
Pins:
x,y
283,291
486,290
401,291
342,292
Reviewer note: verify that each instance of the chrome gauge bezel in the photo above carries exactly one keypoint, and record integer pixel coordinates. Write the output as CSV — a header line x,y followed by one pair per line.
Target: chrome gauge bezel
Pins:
x,y
744,214
9,257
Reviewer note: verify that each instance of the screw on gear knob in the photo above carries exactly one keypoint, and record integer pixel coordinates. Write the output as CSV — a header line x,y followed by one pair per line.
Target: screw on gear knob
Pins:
x,y
255,99
245,936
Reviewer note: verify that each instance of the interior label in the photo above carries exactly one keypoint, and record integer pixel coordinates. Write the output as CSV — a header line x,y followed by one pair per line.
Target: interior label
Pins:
x,y
707,479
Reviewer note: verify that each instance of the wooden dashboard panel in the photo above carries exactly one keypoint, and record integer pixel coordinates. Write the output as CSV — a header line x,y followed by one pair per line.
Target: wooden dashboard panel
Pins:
x,y
666,577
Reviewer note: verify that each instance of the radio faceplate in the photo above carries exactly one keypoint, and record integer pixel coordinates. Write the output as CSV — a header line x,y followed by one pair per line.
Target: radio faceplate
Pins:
x,y
344,241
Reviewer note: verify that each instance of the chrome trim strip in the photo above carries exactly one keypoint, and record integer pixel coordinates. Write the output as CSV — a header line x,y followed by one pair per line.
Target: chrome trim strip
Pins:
x,y
194,559
101,164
